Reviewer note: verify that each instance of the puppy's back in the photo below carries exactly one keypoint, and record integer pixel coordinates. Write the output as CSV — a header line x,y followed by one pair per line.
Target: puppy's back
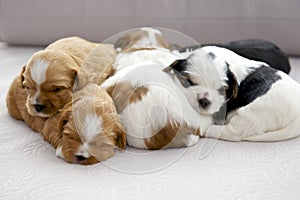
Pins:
x,y
78,48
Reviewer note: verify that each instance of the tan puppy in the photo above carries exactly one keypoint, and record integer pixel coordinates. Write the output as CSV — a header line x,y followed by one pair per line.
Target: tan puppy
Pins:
x,y
91,127
97,67
87,135
145,37
16,99
49,75
52,132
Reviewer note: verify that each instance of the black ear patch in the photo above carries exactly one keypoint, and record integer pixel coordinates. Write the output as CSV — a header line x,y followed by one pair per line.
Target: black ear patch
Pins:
x,y
211,55
177,68
179,65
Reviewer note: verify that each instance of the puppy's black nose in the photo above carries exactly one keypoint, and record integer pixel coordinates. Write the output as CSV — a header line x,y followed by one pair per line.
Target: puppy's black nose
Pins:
x,y
80,158
39,107
204,103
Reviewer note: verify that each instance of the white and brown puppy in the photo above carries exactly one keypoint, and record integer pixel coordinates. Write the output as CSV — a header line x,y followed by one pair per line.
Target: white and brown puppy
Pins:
x,y
49,75
145,37
152,107
90,126
252,97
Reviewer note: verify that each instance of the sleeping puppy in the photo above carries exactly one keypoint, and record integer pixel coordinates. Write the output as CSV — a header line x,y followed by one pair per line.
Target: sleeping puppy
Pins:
x,y
145,37
254,49
49,75
255,103
87,135
90,126
16,100
60,131
154,111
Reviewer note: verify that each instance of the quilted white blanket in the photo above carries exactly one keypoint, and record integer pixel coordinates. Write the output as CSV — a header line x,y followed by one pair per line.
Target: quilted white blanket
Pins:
x,y
211,169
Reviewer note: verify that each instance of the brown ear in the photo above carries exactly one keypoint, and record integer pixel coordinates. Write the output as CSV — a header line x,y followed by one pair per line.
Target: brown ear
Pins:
x,y
121,140
22,76
64,115
122,42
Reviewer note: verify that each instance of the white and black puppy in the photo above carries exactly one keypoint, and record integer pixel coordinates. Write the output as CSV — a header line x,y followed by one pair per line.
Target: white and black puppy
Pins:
x,y
254,49
254,99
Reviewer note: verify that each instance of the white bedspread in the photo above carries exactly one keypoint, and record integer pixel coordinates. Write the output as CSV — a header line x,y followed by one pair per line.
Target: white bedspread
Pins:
x,y
211,169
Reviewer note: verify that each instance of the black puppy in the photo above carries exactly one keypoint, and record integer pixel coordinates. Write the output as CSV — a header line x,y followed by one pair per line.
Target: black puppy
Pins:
x,y
254,49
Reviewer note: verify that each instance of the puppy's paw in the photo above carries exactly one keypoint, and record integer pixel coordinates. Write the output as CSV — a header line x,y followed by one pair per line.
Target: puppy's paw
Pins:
x,y
214,131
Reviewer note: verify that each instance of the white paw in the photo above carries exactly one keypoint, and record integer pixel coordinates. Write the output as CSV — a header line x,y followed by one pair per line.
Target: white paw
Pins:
x,y
191,140
214,131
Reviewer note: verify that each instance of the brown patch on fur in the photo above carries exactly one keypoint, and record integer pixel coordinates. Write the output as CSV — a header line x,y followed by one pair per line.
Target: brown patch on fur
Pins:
x,y
162,138
129,50
124,93
162,41
166,136
128,41
139,93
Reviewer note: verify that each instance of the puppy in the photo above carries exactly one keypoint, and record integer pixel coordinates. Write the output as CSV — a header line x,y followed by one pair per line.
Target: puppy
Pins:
x,y
16,100
254,49
145,37
152,107
254,102
49,75
97,67
87,135
90,126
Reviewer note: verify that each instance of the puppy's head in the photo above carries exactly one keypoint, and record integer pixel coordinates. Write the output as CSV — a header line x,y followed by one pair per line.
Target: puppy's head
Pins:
x,y
48,78
142,38
91,128
204,80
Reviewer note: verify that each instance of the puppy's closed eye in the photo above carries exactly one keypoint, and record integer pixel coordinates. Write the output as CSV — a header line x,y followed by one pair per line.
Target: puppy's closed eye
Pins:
x,y
56,89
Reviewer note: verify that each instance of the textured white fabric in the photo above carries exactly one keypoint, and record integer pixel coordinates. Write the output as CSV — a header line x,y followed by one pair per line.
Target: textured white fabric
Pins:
x,y
29,168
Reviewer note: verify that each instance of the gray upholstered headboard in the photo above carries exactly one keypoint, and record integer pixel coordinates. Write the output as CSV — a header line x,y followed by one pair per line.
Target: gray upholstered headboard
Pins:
x,y
39,22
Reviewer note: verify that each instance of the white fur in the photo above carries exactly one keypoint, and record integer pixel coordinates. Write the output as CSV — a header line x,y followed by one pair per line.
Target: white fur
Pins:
x,y
209,79
239,65
38,71
59,153
82,151
137,58
163,103
273,116
92,126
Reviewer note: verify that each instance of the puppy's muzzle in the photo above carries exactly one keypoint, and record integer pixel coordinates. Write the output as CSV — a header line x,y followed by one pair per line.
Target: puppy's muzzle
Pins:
x,y
39,107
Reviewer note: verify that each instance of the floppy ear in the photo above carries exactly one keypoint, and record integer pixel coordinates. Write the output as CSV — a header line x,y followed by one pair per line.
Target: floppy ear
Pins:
x,y
64,115
22,76
179,65
122,42
121,140
177,68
